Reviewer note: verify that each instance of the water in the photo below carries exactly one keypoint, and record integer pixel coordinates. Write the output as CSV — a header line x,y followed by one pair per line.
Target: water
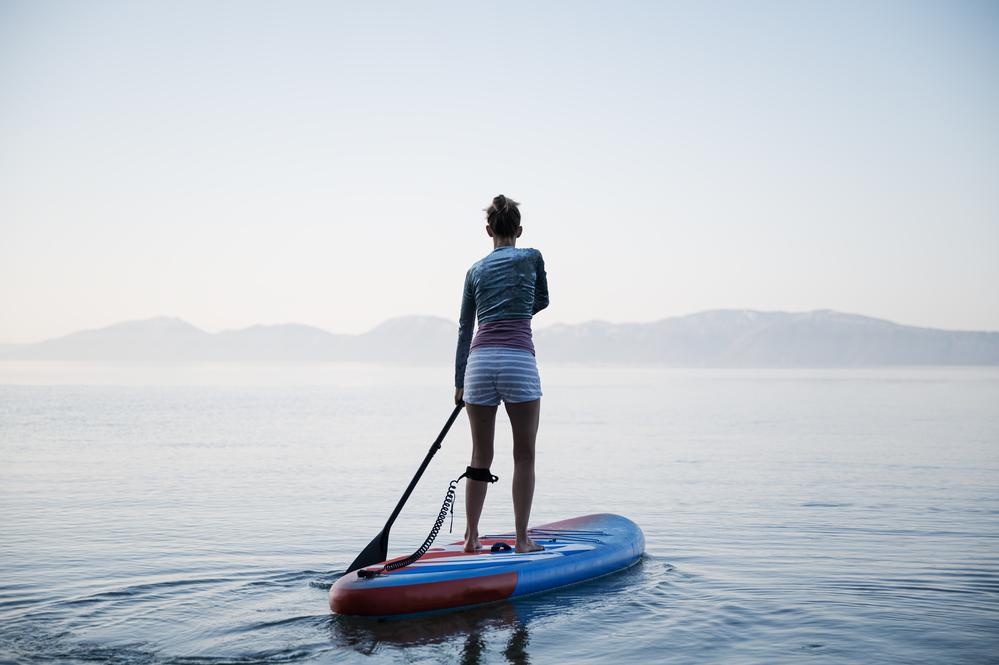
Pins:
x,y
199,514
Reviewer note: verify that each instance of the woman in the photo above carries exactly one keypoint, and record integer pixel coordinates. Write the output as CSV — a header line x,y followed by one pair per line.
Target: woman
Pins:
x,y
504,290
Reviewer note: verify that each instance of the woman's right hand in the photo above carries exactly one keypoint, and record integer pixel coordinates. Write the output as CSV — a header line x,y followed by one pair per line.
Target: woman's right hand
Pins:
x,y
458,394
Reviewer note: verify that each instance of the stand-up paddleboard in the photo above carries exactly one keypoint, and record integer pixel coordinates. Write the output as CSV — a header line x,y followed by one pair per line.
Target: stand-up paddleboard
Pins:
x,y
576,549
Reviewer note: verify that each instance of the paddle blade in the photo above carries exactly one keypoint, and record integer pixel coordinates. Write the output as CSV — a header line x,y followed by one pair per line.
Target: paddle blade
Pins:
x,y
375,552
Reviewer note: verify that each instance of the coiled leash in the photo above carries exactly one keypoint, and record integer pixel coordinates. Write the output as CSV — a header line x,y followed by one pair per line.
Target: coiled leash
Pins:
x,y
472,473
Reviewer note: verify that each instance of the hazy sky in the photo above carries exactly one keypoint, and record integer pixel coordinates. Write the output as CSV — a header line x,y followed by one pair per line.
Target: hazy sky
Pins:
x,y
326,163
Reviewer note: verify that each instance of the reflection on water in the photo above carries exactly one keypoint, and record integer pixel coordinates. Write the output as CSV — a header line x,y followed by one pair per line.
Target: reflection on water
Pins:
x,y
474,629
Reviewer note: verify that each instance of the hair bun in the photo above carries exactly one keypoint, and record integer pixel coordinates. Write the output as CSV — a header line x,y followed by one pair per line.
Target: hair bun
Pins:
x,y
503,216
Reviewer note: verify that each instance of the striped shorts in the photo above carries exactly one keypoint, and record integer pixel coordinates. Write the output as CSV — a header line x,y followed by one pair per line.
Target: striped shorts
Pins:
x,y
497,373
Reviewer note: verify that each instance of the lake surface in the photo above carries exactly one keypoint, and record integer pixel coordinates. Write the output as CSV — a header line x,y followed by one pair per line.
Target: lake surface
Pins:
x,y
199,514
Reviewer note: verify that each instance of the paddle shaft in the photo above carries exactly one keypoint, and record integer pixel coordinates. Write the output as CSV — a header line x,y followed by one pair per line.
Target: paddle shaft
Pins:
x,y
377,549
423,467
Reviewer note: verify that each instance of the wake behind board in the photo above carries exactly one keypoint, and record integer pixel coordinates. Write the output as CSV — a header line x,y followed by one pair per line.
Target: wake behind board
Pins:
x,y
576,549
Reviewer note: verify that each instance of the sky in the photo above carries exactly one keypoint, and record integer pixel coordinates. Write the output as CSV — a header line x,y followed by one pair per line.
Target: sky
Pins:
x,y
235,163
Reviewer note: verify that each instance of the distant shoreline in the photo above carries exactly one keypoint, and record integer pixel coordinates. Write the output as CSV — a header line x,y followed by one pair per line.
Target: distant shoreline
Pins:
x,y
717,338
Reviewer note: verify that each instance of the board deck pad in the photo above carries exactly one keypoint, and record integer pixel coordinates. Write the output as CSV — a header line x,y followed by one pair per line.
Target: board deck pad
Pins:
x,y
576,549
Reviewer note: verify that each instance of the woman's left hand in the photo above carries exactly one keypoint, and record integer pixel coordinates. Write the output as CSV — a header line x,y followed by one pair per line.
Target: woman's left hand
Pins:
x,y
458,394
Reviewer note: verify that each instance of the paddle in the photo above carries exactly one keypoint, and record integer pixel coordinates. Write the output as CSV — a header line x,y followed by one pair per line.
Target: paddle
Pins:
x,y
377,549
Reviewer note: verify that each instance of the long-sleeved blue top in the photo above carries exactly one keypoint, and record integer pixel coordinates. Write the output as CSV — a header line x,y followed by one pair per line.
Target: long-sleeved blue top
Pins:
x,y
509,283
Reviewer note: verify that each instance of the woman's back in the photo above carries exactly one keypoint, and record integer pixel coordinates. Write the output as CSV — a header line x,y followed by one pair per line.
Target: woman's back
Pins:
x,y
508,283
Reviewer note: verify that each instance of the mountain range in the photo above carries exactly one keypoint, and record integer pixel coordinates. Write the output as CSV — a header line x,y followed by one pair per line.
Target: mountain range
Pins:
x,y
717,338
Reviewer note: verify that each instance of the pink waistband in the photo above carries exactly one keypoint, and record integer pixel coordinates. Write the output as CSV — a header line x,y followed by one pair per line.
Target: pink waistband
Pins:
x,y
506,332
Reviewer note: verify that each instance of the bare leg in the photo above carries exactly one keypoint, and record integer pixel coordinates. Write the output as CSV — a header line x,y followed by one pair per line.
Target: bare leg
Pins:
x,y
483,422
524,419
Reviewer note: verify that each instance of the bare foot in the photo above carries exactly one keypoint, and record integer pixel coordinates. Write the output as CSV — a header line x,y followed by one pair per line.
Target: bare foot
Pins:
x,y
472,544
528,545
